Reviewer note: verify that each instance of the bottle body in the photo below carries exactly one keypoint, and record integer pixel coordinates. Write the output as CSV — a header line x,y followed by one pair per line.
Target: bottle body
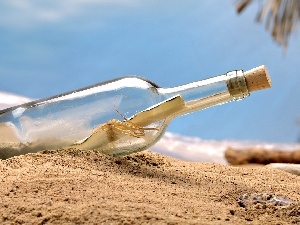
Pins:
x,y
117,117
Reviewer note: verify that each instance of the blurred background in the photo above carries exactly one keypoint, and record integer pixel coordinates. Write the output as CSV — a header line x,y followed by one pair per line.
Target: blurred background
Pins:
x,y
50,47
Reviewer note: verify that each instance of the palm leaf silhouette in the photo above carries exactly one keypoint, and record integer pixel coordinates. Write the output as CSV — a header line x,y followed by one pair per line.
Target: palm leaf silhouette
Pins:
x,y
282,17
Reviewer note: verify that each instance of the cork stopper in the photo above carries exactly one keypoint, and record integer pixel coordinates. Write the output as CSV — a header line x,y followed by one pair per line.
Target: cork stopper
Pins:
x,y
257,78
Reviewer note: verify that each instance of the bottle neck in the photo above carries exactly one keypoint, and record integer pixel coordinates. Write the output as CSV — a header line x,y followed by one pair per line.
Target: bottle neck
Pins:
x,y
206,93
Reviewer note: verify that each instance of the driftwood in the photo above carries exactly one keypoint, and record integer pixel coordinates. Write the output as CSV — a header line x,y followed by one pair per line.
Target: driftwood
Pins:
x,y
261,156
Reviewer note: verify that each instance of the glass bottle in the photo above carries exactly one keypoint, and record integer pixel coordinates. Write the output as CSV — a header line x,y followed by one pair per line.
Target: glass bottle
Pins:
x,y
117,117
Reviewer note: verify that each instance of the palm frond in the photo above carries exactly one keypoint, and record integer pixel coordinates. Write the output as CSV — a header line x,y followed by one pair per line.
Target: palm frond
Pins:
x,y
282,17
241,5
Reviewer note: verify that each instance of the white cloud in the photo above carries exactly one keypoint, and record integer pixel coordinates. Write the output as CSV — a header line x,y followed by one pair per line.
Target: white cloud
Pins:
x,y
9,100
25,13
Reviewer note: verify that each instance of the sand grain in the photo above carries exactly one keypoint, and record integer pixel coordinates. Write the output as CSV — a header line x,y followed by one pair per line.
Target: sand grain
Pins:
x,y
76,187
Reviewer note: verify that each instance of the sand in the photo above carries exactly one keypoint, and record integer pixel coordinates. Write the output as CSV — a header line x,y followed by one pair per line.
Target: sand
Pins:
x,y
86,187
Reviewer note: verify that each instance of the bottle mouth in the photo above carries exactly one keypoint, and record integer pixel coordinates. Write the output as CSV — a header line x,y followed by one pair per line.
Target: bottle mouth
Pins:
x,y
236,84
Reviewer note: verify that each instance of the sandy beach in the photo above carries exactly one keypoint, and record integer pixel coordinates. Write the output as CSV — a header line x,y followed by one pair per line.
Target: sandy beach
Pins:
x,y
86,187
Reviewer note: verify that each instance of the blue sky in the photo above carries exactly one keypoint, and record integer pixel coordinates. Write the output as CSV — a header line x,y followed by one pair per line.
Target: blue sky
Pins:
x,y
51,47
